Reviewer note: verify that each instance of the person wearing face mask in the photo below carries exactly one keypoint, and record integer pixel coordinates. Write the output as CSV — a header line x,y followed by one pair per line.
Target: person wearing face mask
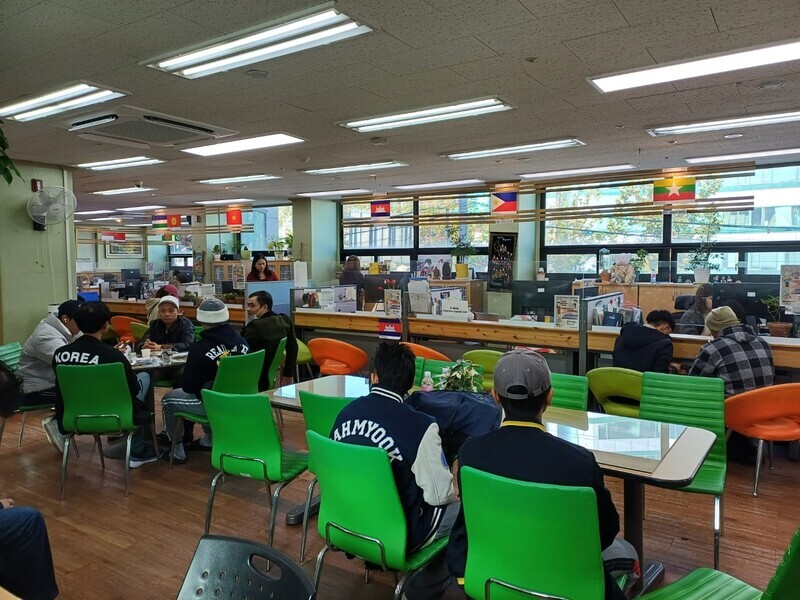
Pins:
x,y
264,331
646,347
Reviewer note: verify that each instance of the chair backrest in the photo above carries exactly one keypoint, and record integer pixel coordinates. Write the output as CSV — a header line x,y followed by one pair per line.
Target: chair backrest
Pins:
x,y
485,358
138,330
684,301
277,361
239,374
236,568
303,353
419,370
96,398
424,352
606,382
686,400
10,354
323,349
320,411
122,325
786,580
565,558
763,404
198,329
243,426
365,502
570,391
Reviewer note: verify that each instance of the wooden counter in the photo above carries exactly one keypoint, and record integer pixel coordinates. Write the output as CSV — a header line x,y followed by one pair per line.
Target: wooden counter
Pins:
x,y
524,333
318,319
648,296
139,310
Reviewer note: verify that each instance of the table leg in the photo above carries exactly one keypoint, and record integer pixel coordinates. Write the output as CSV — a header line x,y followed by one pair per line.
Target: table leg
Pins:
x,y
652,572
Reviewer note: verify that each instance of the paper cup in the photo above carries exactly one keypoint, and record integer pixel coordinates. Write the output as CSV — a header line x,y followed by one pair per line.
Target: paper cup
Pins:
x,y
145,353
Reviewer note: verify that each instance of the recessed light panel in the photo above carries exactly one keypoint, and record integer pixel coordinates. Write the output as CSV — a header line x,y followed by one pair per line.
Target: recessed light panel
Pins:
x,y
254,143
120,163
720,124
441,184
742,156
148,207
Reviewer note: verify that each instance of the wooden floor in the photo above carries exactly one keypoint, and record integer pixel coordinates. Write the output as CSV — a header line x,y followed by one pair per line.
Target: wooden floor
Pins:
x,y
107,546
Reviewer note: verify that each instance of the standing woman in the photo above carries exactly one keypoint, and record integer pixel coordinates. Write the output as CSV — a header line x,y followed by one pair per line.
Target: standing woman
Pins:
x,y
259,271
694,320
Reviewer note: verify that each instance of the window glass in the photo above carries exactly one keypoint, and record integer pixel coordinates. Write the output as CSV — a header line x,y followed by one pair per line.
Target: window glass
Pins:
x,y
769,263
728,262
269,223
396,263
571,263
376,236
589,230
435,236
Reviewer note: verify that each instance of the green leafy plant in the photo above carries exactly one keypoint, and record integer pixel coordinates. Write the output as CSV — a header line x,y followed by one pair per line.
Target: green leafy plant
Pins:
x,y
275,245
704,257
288,239
462,377
773,306
7,168
639,260
462,247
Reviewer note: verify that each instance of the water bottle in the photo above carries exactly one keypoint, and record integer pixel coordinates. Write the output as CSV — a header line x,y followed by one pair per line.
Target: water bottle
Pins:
x,y
427,382
443,378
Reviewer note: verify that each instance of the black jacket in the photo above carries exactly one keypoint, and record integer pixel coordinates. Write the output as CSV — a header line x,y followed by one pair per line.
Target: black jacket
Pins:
x,y
643,349
265,333
202,361
180,334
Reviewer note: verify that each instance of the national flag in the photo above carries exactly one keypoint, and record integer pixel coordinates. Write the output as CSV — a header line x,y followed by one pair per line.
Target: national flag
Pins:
x,y
674,189
233,216
504,202
170,237
159,222
380,208
174,221
119,236
390,329
107,236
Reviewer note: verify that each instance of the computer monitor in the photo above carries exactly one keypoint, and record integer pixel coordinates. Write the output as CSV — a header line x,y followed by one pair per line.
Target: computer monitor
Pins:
x,y
133,289
131,274
227,286
88,296
536,298
749,295
109,277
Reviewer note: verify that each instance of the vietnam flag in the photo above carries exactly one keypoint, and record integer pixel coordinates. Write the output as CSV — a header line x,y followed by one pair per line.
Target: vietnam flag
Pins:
x,y
233,216
174,221
503,202
674,189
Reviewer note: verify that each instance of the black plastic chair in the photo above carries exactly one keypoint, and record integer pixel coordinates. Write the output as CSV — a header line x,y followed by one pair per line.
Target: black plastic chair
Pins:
x,y
684,301
227,567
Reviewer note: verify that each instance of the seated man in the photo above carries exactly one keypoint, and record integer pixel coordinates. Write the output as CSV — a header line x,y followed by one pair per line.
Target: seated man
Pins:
x,y
36,360
93,321
151,304
26,567
171,327
648,347
412,441
217,340
522,449
736,354
265,332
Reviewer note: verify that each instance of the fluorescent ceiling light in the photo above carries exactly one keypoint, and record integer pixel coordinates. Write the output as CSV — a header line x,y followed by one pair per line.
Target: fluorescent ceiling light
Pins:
x,y
429,115
136,208
232,201
353,168
254,143
130,190
743,156
584,171
94,212
120,163
93,122
334,193
75,96
106,219
440,184
522,149
699,67
242,179
771,119
293,34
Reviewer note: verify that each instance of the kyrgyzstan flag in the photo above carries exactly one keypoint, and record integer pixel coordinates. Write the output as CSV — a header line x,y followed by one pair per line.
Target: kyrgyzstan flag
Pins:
x,y
503,202
174,221
674,189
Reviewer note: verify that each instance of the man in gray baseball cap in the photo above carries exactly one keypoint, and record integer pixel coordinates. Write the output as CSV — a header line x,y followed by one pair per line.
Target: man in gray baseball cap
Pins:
x,y
522,449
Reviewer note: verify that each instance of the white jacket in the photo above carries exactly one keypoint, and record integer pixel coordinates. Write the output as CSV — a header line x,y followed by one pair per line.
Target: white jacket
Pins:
x,y
36,361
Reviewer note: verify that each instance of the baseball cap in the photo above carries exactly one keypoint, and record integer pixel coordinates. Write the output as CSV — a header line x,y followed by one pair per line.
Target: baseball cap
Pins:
x,y
170,289
521,369
212,311
68,308
170,300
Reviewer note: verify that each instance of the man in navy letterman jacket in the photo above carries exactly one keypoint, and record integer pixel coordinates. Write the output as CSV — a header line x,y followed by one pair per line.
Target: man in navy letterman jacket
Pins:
x,y
217,340
411,439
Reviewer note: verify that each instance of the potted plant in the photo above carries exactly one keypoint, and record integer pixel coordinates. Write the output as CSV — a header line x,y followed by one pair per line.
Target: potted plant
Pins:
x,y
245,252
275,246
639,260
288,239
462,377
776,312
703,260
461,250
216,252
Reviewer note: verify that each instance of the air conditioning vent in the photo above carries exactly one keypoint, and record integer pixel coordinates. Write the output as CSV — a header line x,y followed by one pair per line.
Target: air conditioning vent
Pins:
x,y
131,124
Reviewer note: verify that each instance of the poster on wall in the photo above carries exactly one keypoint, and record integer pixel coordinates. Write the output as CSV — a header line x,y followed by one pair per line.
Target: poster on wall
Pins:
x,y
790,286
127,249
502,247
566,310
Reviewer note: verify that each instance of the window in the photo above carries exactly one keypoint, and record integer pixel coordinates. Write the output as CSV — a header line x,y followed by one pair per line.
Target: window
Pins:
x,y
435,236
571,263
376,236
769,263
728,261
269,223
396,263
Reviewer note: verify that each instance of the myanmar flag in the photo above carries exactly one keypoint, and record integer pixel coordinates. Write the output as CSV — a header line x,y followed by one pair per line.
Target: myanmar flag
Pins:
x,y
159,222
174,221
674,189
503,202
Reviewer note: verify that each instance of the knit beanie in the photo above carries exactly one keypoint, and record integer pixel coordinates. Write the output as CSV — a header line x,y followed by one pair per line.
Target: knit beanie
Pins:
x,y
720,318
170,300
212,311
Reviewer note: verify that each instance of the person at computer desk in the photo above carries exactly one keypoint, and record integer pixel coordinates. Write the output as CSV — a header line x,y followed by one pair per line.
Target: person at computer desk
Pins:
x,y
352,275
693,320
259,271
646,347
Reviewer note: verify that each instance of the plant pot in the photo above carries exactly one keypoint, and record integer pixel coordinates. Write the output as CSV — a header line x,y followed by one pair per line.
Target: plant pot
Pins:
x,y
605,277
779,329
245,254
702,275
462,271
216,256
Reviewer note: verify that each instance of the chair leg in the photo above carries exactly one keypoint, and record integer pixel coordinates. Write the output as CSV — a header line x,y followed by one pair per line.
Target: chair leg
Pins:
x,y
309,496
211,493
398,589
64,459
318,568
99,445
128,463
21,429
717,528
366,573
2,428
771,444
759,459
155,439
178,431
273,511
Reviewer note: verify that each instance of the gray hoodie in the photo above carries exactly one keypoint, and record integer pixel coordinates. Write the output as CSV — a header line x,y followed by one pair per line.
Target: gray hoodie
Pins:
x,y
35,363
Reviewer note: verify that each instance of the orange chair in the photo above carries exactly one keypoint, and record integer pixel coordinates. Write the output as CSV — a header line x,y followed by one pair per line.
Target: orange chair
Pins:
x,y
768,414
337,358
122,325
421,351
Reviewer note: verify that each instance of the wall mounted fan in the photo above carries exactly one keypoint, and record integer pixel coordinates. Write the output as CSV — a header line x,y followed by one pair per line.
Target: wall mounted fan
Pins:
x,y
50,206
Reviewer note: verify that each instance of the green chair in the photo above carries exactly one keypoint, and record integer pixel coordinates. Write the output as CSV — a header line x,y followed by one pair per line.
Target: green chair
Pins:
x,y
272,376
10,354
320,414
570,391
696,402
97,401
361,514
707,584
487,359
198,329
615,382
559,564
303,358
138,330
246,444
236,375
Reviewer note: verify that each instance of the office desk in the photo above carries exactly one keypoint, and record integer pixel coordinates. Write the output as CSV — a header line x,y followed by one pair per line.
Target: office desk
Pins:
x,y
138,310
524,333
312,318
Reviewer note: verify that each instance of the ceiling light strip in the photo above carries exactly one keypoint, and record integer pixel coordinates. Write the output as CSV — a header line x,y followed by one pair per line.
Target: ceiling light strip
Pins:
x,y
722,124
130,190
46,99
79,102
521,149
240,179
355,168
698,160
254,143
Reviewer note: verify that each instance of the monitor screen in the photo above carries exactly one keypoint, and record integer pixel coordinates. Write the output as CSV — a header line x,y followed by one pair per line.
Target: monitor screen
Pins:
x,y
536,298
89,296
133,289
749,295
130,274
